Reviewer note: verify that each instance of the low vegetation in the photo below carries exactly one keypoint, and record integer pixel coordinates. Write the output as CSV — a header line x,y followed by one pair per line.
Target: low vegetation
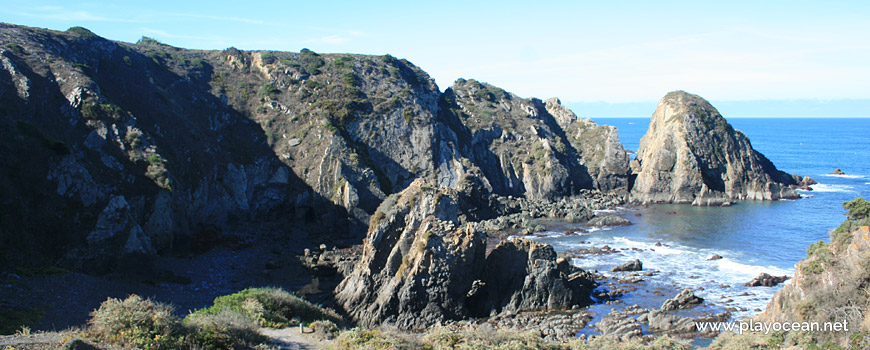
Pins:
x,y
231,323
485,337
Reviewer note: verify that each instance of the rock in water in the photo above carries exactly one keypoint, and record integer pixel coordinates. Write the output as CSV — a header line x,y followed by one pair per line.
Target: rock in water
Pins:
x,y
838,172
635,265
690,154
609,220
765,280
686,299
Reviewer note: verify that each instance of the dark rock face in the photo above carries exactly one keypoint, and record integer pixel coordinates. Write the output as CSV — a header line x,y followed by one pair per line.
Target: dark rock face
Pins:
x,y
690,154
765,280
608,220
133,149
421,265
635,265
686,299
525,275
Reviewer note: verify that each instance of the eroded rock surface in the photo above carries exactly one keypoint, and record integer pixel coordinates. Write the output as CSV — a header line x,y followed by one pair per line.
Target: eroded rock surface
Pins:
x,y
690,154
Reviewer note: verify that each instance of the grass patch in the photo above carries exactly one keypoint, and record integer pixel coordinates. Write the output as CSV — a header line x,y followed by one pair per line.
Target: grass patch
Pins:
x,y
277,307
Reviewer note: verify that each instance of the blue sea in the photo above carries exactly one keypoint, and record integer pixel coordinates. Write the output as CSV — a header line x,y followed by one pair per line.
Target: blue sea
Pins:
x,y
753,237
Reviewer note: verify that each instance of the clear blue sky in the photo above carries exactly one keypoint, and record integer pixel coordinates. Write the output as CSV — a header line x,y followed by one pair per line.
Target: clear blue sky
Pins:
x,y
580,51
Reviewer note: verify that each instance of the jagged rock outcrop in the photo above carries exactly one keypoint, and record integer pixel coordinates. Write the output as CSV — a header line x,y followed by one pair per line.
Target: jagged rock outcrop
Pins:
x,y
418,262
526,147
605,158
690,154
521,274
422,265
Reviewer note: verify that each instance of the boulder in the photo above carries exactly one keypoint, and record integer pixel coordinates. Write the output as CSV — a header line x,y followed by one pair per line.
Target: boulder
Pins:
x,y
685,300
521,274
715,257
690,154
608,220
635,265
838,172
766,280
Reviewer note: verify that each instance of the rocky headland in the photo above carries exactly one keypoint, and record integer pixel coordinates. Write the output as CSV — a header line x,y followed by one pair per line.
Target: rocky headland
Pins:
x,y
691,155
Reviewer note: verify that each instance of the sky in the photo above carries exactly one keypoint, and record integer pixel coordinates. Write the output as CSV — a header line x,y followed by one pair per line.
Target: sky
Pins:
x,y
615,54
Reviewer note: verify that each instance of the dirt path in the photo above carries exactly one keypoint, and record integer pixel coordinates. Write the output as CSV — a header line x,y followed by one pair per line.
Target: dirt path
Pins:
x,y
292,338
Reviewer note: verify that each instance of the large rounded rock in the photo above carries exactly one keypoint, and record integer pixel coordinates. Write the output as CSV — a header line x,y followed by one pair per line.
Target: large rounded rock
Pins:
x,y
690,154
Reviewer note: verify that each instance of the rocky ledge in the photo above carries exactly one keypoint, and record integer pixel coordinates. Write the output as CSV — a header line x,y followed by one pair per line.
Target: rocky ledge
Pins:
x,y
690,154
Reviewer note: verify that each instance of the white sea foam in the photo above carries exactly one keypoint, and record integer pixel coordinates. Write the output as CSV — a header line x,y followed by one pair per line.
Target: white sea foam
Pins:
x,y
845,176
832,188
688,267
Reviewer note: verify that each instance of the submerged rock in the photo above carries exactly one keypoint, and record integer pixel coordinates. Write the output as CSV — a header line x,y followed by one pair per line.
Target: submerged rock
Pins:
x,y
690,154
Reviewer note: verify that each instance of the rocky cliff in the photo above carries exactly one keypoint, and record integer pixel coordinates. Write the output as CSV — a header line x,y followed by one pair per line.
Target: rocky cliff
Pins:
x,y
526,147
422,265
113,150
690,154
831,284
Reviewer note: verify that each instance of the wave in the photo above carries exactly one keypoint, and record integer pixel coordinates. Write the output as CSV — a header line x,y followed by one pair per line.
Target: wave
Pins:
x,y
719,281
845,176
832,188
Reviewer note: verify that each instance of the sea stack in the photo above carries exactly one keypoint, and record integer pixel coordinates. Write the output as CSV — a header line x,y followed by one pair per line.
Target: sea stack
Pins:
x,y
690,154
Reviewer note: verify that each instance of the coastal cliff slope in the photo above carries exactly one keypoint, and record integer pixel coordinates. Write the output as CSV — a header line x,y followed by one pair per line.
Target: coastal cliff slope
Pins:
x,y
690,154
115,151
831,284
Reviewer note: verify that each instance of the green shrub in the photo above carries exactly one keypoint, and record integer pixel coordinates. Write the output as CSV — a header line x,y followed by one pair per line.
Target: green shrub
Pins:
x,y
15,48
267,89
267,57
82,32
155,159
137,322
279,307
344,62
227,329
408,114
148,41
350,79
324,329
859,209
